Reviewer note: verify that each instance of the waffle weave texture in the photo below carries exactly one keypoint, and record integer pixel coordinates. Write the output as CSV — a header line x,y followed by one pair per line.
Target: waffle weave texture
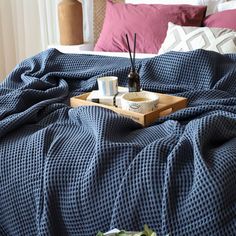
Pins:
x,y
67,171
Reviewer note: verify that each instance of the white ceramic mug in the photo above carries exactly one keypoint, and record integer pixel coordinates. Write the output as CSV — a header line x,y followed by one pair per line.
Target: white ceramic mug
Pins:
x,y
141,102
108,85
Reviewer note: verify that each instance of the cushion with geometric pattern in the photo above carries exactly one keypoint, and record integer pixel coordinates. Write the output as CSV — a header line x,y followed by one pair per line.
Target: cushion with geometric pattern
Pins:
x,y
185,38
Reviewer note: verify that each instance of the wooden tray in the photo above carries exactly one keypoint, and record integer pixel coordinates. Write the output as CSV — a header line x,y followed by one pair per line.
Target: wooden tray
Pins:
x,y
167,104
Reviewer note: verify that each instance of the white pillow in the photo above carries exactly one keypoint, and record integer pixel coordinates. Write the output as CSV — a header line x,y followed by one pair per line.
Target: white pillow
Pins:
x,y
187,38
226,6
192,2
211,4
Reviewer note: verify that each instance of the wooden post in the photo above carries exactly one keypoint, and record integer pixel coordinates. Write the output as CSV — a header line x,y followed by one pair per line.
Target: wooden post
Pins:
x,y
70,16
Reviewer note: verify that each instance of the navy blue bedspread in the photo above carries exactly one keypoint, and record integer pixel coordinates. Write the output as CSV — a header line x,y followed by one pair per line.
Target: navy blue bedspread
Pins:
x,y
67,171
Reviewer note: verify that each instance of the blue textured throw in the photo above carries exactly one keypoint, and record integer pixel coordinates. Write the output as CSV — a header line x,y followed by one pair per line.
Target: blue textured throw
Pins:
x,y
67,171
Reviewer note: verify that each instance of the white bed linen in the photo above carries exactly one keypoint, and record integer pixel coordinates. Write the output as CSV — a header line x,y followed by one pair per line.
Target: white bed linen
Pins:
x,y
81,49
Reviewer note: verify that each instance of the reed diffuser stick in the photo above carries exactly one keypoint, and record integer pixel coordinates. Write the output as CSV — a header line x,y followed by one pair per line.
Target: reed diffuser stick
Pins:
x,y
133,76
134,50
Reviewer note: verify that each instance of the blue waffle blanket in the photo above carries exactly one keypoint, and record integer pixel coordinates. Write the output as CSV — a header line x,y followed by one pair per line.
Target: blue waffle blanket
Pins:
x,y
67,171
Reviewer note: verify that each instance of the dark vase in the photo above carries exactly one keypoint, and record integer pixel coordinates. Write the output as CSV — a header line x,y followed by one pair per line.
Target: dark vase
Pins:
x,y
133,81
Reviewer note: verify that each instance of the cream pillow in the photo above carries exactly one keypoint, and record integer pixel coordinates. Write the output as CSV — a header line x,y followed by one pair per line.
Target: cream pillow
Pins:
x,y
211,4
185,38
227,6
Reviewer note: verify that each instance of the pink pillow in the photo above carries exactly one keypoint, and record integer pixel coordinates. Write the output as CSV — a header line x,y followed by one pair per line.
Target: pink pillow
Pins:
x,y
224,19
149,21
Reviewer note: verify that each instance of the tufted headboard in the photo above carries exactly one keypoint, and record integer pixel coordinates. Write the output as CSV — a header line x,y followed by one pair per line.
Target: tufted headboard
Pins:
x,y
99,7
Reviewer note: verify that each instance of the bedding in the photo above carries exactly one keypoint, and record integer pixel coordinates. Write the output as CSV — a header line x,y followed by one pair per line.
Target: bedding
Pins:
x,y
224,19
184,38
67,171
212,5
75,49
148,21
227,6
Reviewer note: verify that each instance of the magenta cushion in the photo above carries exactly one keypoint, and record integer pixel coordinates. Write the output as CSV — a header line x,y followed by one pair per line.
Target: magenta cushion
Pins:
x,y
149,21
224,19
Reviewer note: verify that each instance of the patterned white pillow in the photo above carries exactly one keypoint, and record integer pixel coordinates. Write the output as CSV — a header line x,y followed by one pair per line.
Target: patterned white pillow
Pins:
x,y
185,38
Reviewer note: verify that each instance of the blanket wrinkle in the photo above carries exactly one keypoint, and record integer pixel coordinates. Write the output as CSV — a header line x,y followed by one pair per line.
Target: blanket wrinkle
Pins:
x,y
162,152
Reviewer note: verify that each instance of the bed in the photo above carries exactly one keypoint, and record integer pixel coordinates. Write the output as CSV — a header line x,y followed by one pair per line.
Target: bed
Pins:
x,y
77,171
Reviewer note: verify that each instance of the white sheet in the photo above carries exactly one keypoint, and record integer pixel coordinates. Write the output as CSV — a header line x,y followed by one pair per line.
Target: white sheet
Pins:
x,y
85,49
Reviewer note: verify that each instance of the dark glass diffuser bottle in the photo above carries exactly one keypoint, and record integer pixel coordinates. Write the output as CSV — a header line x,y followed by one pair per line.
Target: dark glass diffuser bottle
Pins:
x,y
133,76
133,81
